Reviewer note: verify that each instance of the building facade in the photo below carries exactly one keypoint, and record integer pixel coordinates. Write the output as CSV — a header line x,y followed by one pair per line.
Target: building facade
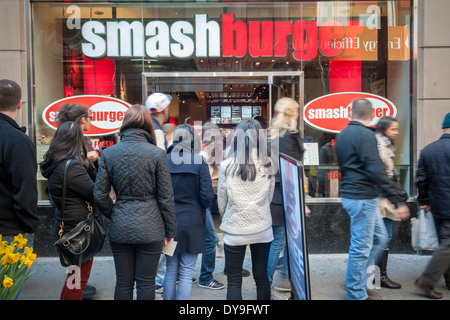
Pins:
x,y
224,61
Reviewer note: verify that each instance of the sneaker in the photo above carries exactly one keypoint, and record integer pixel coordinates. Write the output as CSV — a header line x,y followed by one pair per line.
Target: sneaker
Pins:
x,y
214,285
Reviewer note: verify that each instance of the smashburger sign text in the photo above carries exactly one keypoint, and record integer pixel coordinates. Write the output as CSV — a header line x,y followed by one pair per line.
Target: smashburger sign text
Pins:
x,y
331,113
107,113
228,37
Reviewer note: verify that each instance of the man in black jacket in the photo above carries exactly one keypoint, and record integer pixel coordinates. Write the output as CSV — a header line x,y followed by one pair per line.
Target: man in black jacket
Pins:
x,y
363,179
433,182
18,168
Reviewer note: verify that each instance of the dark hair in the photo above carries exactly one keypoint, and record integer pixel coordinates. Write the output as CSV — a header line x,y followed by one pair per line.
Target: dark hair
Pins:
x,y
261,120
67,143
184,134
384,123
252,139
10,95
138,117
361,109
72,112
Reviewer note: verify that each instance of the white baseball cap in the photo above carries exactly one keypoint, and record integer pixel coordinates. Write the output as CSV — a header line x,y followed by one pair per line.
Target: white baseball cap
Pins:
x,y
157,102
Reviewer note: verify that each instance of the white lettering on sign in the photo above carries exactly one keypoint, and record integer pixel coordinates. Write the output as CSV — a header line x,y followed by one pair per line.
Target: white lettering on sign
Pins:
x,y
125,39
107,114
330,113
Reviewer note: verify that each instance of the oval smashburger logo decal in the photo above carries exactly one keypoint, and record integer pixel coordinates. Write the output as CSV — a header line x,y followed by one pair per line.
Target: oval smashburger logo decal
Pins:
x,y
107,113
331,113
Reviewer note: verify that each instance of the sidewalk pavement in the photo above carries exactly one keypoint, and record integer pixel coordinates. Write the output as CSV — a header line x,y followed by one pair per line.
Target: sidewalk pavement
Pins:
x,y
327,279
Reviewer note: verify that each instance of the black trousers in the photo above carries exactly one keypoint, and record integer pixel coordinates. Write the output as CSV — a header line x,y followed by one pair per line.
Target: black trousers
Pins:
x,y
234,260
440,262
136,263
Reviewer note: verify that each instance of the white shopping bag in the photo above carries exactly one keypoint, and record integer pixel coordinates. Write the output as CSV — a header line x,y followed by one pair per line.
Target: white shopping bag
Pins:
x,y
423,232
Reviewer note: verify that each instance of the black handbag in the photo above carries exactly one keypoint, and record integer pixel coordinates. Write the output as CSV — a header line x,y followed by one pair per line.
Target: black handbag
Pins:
x,y
82,242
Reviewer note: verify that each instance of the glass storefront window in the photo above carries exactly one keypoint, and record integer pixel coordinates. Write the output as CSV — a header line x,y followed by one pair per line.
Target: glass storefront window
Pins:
x,y
112,49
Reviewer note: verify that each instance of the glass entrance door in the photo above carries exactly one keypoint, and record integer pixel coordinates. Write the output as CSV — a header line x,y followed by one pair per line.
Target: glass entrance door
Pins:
x,y
224,98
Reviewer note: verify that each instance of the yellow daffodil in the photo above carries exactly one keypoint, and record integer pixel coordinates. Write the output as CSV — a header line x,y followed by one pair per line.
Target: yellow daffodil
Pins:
x,y
2,247
8,250
29,262
20,241
8,282
12,257
27,251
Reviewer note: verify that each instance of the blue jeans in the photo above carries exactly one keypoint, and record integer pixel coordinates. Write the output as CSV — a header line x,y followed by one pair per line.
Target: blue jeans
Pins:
x,y
368,239
209,256
277,246
179,267
159,281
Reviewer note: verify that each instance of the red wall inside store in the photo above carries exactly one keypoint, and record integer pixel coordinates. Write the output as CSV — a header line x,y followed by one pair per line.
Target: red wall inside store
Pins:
x,y
98,76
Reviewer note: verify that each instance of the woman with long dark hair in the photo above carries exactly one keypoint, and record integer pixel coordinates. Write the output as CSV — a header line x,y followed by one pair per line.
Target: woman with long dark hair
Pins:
x,y
68,144
245,189
143,216
386,133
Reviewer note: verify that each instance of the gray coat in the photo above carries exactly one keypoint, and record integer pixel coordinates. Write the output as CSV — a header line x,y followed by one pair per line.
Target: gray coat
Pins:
x,y
139,173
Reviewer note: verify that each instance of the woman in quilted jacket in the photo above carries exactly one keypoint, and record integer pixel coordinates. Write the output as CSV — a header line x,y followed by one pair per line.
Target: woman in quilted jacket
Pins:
x,y
143,216
245,189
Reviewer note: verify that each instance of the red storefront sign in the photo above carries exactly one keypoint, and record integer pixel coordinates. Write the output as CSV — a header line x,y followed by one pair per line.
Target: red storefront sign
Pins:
x,y
332,113
107,113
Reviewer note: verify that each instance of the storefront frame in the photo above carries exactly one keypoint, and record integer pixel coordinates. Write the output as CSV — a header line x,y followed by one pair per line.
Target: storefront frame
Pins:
x,y
413,154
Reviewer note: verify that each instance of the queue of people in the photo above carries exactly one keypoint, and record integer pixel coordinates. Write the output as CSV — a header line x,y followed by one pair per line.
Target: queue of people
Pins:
x,y
162,200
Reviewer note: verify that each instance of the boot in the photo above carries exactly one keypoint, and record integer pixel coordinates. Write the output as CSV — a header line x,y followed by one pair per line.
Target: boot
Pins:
x,y
385,282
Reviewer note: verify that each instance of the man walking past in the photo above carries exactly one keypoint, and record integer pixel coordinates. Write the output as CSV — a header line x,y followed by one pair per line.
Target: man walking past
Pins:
x,y
18,168
433,182
363,179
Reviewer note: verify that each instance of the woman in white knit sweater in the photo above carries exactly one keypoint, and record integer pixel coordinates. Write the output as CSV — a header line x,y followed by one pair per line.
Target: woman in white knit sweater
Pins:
x,y
245,190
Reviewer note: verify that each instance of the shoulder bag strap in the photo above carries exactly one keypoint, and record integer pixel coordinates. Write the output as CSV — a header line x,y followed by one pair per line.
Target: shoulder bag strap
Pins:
x,y
63,197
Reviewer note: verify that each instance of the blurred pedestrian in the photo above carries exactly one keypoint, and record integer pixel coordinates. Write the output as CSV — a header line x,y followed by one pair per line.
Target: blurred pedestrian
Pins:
x,y
68,144
18,169
363,176
158,105
143,216
244,193
190,205
433,182
285,129
212,150
386,133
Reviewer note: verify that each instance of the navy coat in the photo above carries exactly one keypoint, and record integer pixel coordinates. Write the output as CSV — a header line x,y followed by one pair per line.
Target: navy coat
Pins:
x,y
193,193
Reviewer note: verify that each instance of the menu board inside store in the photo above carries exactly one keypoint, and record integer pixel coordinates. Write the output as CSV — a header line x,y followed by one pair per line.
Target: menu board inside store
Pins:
x,y
225,115
215,114
233,114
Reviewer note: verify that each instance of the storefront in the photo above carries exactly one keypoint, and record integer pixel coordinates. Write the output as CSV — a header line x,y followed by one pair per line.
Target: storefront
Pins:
x,y
224,61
